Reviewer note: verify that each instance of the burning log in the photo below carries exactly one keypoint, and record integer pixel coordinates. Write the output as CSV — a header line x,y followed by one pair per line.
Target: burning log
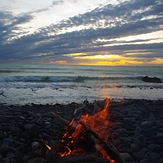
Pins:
x,y
107,149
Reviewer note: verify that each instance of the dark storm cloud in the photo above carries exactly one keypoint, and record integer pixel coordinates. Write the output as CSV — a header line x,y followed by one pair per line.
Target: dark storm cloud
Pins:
x,y
108,22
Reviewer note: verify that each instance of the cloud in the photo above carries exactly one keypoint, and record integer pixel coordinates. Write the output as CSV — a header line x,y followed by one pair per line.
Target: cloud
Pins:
x,y
10,24
57,2
81,33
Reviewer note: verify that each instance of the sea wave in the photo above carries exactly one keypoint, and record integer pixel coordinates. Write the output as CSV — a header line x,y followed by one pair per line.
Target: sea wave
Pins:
x,y
34,79
62,78
8,71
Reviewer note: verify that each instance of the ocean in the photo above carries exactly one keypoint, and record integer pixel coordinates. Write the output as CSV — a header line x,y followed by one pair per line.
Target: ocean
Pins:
x,y
50,84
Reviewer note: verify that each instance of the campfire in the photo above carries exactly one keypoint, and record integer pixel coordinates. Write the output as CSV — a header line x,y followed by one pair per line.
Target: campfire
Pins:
x,y
85,139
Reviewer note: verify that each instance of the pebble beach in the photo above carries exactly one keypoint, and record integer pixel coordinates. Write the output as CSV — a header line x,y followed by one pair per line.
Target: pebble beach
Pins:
x,y
136,130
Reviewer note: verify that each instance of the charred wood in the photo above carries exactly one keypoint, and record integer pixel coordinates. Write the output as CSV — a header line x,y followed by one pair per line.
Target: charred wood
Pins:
x,y
83,159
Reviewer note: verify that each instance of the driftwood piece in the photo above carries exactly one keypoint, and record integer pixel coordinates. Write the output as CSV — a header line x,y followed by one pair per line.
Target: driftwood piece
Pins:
x,y
85,103
60,119
143,103
39,118
2,93
76,110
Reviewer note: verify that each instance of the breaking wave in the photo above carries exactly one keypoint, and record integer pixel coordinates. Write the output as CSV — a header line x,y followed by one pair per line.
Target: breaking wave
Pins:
x,y
62,78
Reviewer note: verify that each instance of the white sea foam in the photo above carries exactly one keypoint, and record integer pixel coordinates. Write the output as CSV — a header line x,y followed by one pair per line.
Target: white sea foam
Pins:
x,y
68,95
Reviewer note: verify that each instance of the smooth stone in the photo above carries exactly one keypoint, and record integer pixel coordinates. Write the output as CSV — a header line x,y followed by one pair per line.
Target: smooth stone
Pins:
x,y
27,126
4,160
129,121
140,140
44,136
48,126
2,135
154,157
161,129
122,131
154,147
162,124
138,156
160,160
127,157
10,155
47,123
13,160
135,148
20,125
125,140
17,113
22,140
21,117
4,148
159,135
8,140
144,161
146,124
51,156
6,128
33,130
35,145
49,119
36,160
1,119
26,158
22,148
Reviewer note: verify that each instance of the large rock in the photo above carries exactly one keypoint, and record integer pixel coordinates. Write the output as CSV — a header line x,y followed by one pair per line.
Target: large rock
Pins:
x,y
151,80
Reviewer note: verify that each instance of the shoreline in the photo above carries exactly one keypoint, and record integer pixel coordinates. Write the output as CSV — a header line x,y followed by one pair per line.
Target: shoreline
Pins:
x,y
113,101
52,95
136,130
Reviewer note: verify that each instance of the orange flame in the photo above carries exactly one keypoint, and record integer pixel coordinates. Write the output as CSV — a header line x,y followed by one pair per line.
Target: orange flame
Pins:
x,y
98,122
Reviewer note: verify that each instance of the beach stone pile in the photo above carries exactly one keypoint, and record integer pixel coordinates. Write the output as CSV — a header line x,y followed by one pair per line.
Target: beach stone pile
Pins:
x,y
136,130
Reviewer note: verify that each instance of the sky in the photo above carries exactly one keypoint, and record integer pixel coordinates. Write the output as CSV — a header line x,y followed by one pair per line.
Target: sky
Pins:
x,y
82,32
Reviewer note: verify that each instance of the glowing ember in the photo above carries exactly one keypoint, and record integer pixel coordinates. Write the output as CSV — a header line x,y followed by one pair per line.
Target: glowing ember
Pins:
x,y
49,148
